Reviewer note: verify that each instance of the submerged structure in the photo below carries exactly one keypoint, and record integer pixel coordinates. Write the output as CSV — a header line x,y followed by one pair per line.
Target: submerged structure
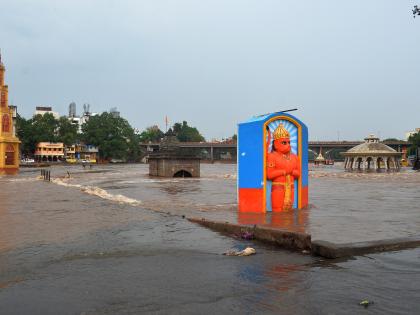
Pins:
x,y
320,160
9,143
171,161
372,155
272,164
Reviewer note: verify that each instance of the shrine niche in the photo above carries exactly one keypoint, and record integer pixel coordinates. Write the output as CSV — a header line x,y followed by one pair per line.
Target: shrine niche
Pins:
x,y
5,123
3,98
272,164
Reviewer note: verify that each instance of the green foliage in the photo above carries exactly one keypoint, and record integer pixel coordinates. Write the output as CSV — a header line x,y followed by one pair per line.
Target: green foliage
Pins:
x,y
37,129
113,136
25,135
415,143
67,132
390,139
415,139
44,128
186,133
235,137
151,134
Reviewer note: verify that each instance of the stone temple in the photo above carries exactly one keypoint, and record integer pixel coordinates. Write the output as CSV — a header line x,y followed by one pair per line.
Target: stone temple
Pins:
x,y
372,155
171,161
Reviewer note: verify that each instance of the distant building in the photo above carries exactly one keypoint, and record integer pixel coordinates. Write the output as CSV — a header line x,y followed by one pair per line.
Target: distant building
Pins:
x,y
114,112
49,152
81,153
79,120
42,110
9,143
372,155
72,109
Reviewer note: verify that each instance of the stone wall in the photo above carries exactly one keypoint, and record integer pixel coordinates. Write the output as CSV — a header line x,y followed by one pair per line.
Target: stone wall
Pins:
x,y
169,167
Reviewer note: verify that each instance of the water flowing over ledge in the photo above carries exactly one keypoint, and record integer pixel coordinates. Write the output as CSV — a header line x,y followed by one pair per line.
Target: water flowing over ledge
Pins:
x,y
99,192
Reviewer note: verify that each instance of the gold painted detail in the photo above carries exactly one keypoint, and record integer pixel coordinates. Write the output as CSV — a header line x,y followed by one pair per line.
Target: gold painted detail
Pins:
x,y
280,132
288,201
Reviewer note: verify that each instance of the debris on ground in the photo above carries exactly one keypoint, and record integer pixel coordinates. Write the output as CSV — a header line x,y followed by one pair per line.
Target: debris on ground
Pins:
x,y
246,252
247,236
366,303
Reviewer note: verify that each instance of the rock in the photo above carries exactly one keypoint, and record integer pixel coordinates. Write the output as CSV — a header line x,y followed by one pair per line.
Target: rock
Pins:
x,y
246,252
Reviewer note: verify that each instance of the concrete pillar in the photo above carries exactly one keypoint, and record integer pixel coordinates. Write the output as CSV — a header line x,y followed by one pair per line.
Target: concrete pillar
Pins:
x,y
364,161
211,153
385,162
353,165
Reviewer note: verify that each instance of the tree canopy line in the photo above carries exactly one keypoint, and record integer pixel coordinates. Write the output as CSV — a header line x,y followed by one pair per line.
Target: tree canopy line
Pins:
x,y
114,136
415,149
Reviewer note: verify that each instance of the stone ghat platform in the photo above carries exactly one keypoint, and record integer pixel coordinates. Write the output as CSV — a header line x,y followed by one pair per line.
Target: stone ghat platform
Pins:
x,y
303,242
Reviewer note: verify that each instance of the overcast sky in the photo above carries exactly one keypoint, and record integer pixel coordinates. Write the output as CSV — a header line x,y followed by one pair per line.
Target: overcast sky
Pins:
x,y
350,67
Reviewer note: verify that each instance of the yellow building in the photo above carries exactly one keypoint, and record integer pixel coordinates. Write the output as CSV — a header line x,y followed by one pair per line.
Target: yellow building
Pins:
x,y
9,143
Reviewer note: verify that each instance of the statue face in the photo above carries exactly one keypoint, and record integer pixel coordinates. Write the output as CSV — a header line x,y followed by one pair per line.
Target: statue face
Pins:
x,y
282,145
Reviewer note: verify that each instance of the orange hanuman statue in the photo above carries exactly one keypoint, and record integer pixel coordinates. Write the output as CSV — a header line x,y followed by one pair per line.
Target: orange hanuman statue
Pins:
x,y
283,167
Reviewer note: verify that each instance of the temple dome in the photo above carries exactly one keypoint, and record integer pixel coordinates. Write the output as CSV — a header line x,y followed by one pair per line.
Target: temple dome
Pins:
x,y
320,158
372,146
372,155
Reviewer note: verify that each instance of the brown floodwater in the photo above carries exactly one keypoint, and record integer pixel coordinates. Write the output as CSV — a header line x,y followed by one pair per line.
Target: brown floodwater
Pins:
x,y
112,240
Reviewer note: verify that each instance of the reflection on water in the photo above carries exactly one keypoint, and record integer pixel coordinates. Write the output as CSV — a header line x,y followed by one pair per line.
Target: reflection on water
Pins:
x,y
296,221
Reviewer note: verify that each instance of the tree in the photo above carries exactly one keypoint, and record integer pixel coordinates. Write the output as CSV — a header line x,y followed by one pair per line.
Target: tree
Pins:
x,y
67,132
416,11
113,136
44,128
186,133
40,128
415,141
25,135
151,134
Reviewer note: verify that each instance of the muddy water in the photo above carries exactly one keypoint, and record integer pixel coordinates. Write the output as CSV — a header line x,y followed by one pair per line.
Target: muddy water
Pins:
x,y
102,242
344,207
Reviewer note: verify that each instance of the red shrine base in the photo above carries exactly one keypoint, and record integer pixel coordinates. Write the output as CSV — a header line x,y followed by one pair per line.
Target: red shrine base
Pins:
x,y
251,199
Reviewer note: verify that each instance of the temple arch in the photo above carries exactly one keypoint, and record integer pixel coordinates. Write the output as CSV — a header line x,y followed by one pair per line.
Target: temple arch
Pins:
x,y
379,162
182,173
10,155
369,162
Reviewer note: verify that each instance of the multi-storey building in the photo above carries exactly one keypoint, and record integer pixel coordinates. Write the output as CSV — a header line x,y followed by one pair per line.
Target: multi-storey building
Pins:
x,y
49,152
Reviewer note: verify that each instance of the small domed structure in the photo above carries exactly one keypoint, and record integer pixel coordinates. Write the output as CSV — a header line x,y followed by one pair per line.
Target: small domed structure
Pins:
x,y
372,155
319,159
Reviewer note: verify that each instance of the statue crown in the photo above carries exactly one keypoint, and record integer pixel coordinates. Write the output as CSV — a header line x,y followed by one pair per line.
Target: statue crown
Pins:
x,y
280,132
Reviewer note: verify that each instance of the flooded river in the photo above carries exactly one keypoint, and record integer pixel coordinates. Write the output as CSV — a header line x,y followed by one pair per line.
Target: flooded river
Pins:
x,y
111,240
